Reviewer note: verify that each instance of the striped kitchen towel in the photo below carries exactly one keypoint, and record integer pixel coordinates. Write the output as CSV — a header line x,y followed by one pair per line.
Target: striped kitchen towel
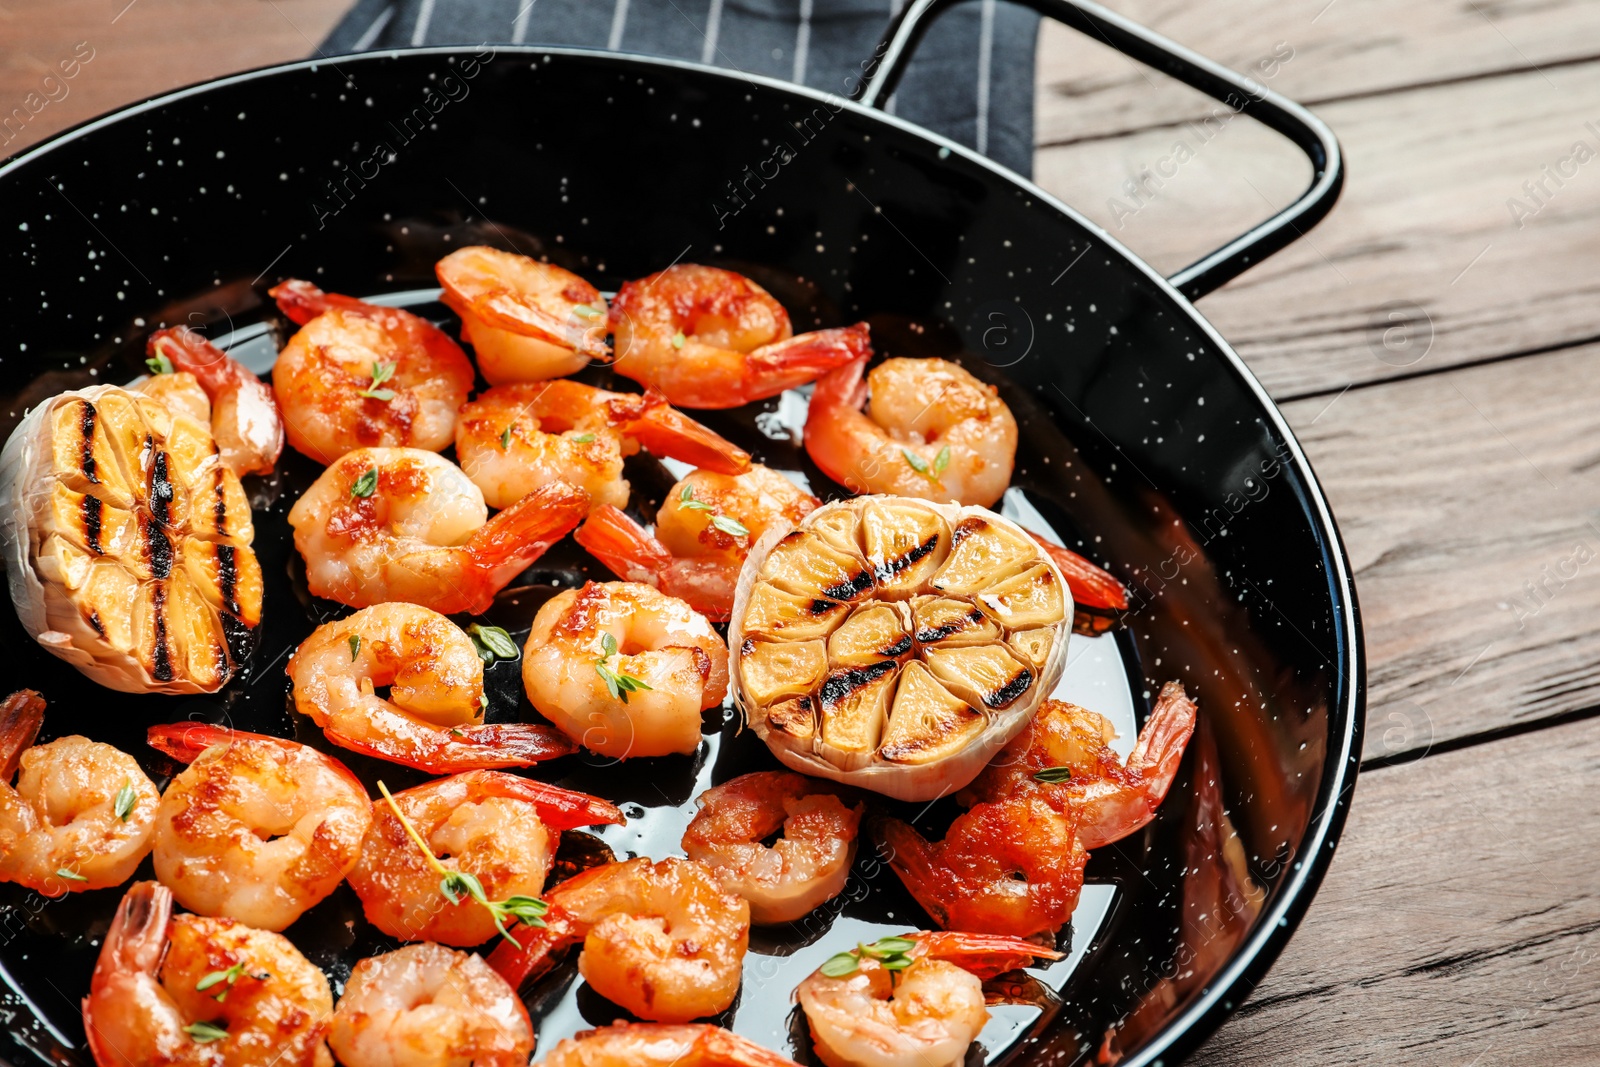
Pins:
x,y
971,80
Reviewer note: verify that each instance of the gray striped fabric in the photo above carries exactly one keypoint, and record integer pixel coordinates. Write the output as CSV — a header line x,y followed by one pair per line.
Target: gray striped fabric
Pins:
x,y
971,80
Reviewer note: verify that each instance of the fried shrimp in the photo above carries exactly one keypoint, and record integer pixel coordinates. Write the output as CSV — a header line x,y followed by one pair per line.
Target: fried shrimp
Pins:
x,y
660,939
1013,866
257,828
500,828
429,1006
911,1001
1070,747
359,374
804,868
197,992
517,438
432,718
240,408
81,815
526,320
624,670
403,524
932,430
710,338
1054,792
662,1045
704,530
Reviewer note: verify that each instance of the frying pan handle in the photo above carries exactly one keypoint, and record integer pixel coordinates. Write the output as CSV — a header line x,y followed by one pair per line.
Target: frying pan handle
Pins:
x,y
1309,133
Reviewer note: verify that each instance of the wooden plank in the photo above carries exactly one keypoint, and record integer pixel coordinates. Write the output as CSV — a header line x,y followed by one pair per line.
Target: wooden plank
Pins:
x,y
84,57
1426,236
1468,503
1459,923
1311,50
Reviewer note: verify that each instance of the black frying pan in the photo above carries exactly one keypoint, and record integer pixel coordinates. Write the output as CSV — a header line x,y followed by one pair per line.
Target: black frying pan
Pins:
x,y
1145,443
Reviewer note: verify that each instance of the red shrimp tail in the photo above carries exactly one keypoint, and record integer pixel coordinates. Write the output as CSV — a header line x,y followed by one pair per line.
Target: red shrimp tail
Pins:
x,y
559,809
507,310
491,746
21,715
1091,587
706,585
984,955
665,431
301,301
624,546
914,858
184,741
190,351
803,358
135,944
536,955
523,532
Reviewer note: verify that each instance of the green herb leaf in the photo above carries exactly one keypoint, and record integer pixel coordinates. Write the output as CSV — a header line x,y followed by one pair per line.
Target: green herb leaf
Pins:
x,y
618,685
678,339
458,885
1053,775
367,484
584,438
686,500
918,464
381,372
71,876
888,946
586,311
942,460
159,363
505,438
230,976
729,526
355,646
127,797
895,963
204,1033
529,911
842,964
492,643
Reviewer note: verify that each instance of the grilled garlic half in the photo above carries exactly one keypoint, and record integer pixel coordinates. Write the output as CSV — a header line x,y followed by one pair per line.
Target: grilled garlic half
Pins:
x,y
127,542
896,644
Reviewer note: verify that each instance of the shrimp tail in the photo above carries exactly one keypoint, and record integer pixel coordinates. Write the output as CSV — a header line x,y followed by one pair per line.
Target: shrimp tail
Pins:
x,y
184,741
665,431
135,944
1091,587
914,859
624,546
21,715
984,955
522,533
190,351
559,809
536,954
301,301
786,364
515,313
631,553
490,746
1149,772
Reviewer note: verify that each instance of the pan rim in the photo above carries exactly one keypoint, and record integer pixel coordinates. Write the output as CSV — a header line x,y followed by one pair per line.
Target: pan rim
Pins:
x,y
1276,923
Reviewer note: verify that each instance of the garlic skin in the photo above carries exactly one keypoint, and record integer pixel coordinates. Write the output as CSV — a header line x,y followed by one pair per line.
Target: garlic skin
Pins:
x,y
947,772
136,601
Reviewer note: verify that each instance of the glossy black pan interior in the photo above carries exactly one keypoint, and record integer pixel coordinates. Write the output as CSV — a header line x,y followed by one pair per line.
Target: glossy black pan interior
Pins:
x,y
1144,442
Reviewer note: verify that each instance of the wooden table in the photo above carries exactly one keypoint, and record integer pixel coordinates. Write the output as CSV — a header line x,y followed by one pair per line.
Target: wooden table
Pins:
x,y
1434,344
